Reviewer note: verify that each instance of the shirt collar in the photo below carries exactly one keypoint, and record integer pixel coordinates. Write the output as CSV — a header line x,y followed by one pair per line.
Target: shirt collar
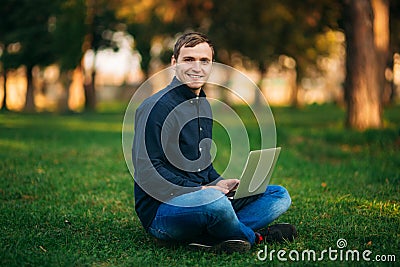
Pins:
x,y
184,90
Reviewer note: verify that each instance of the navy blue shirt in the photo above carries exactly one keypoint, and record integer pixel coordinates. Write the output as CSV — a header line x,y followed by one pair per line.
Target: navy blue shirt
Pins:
x,y
171,148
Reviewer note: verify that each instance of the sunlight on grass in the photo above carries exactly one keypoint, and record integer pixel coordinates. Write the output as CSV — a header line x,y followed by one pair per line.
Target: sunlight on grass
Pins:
x,y
7,145
93,126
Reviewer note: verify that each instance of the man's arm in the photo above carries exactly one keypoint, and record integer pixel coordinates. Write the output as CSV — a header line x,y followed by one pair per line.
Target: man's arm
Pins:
x,y
151,172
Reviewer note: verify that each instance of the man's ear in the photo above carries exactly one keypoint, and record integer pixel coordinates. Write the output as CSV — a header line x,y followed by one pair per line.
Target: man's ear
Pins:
x,y
173,60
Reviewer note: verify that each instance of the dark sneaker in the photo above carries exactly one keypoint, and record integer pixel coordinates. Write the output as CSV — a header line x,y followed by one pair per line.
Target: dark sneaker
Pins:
x,y
277,233
227,246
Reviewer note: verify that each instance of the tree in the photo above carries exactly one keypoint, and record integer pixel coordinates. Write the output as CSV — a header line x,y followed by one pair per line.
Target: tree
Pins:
x,y
380,10
100,19
363,88
5,28
8,44
27,29
69,33
42,32
259,30
264,30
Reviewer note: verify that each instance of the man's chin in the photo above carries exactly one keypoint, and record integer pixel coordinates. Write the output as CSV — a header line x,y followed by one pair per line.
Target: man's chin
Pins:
x,y
195,84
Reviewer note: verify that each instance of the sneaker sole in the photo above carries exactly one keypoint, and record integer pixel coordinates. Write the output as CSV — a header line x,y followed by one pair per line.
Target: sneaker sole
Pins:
x,y
228,246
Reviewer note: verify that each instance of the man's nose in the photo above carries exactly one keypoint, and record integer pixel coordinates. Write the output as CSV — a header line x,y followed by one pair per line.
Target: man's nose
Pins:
x,y
196,66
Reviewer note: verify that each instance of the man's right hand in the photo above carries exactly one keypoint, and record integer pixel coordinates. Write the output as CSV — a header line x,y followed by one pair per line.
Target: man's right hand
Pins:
x,y
225,186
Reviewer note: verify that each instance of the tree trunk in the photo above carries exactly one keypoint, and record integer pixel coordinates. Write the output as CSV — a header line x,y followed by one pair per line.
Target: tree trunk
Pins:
x,y
362,88
294,88
89,83
30,91
90,93
381,41
66,80
4,102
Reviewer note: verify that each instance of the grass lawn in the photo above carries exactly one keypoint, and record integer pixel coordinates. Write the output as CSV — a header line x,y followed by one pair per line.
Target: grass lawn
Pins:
x,y
66,195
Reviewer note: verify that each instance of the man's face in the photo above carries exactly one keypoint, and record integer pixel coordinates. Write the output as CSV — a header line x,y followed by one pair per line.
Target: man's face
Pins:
x,y
193,65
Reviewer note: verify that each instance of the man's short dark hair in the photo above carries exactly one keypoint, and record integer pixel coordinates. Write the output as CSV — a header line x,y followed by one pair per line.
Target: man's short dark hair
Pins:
x,y
191,39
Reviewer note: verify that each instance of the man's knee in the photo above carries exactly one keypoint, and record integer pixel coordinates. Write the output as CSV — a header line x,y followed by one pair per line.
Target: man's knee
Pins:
x,y
220,207
281,193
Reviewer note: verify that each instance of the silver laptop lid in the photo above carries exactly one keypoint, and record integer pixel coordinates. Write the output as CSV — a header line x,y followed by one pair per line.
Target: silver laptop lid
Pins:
x,y
257,172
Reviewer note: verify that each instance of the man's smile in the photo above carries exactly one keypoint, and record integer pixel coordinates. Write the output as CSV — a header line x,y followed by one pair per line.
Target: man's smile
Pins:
x,y
195,76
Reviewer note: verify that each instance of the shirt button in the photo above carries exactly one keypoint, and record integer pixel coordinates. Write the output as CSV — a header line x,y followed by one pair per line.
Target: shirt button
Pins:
x,y
198,170
201,129
191,101
200,149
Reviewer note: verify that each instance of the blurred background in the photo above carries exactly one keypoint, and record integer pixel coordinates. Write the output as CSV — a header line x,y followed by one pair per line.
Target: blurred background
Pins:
x,y
70,55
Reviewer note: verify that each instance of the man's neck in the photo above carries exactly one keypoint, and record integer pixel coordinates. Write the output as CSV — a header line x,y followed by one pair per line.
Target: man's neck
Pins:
x,y
196,91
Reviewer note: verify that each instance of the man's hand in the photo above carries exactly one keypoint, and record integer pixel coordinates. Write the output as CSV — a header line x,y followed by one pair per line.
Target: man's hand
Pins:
x,y
224,185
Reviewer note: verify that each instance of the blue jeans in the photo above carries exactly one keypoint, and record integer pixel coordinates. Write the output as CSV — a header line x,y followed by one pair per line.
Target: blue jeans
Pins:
x,y
176,220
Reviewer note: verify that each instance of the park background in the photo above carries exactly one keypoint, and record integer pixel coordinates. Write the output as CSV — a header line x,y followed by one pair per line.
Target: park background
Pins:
x,y
329,69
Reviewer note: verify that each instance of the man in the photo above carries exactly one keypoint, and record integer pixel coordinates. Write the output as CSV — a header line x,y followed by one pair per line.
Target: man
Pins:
x,y
179,196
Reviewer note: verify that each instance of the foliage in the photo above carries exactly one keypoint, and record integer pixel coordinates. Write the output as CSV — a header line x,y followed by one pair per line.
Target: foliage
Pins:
x,y
66,197
263,30
259,30
50,31
26,25
43,32
69,33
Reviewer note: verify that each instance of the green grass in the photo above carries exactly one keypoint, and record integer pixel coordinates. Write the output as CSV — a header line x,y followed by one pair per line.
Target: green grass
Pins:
x,y
66,195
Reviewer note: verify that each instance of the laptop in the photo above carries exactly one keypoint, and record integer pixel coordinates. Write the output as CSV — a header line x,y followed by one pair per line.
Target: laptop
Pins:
x,y
256,174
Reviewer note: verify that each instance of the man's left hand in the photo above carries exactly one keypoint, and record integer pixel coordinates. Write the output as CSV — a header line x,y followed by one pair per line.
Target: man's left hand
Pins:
x,y
228,184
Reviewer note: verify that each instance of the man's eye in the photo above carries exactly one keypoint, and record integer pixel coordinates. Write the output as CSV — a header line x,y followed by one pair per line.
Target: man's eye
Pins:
x,y
205,61
188,59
